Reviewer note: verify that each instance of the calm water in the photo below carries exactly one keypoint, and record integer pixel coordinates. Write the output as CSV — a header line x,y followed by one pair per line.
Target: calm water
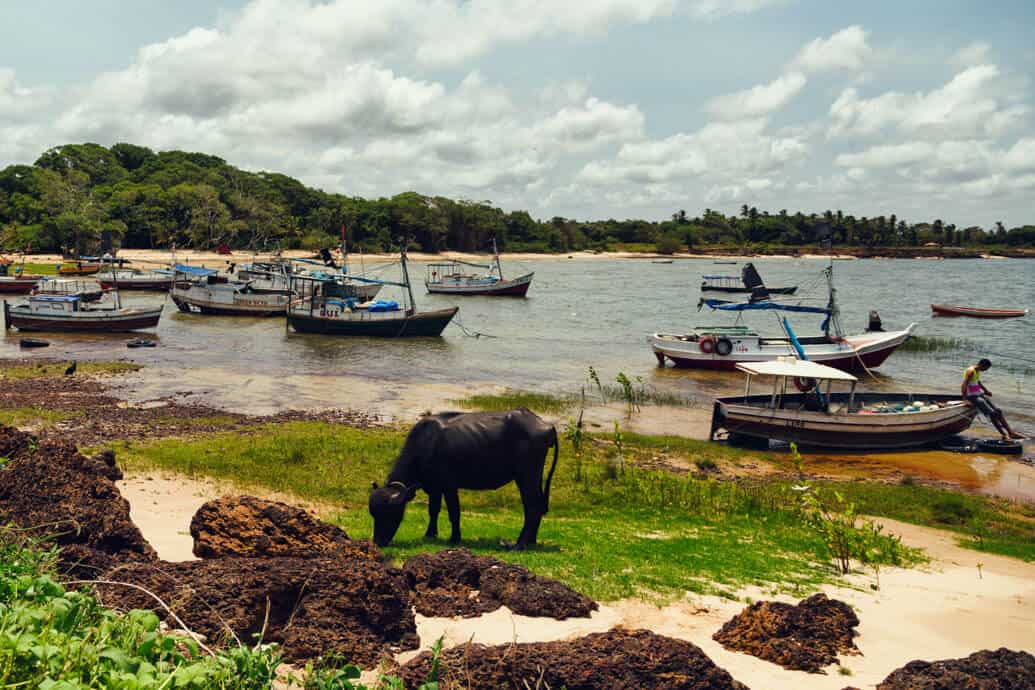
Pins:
x,y
579,313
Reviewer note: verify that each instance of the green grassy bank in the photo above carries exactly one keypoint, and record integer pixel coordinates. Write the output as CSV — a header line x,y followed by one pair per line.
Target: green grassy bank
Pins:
x,y
612,532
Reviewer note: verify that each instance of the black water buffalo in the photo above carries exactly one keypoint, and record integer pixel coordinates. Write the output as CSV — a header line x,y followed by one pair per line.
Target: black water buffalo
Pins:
x,y
477,450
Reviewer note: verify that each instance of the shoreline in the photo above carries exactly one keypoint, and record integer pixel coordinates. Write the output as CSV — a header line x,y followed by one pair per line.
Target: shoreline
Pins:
x,y
210,258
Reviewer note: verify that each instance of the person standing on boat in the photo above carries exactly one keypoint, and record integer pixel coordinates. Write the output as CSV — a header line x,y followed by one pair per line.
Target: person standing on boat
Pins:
x,y
975,393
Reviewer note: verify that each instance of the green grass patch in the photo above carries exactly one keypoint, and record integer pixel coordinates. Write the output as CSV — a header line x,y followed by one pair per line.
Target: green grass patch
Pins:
x,y
35,269
34,416
37,370
611,533
510,399
983,523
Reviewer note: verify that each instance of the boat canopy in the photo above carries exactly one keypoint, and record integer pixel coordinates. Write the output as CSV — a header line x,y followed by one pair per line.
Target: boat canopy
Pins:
x,y
454,262
764,305
790,367
195,270
721,277
56,298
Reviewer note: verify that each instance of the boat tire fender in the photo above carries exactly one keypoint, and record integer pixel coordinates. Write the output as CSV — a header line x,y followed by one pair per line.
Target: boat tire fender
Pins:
x,y
804,384
706,345
958,444
723,346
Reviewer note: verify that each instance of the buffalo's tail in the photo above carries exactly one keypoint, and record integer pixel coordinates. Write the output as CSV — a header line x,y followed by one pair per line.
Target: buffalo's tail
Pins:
x,y
549,477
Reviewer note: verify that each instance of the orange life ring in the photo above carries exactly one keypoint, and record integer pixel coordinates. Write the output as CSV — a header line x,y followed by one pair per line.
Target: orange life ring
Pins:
x,y
706,344
804,384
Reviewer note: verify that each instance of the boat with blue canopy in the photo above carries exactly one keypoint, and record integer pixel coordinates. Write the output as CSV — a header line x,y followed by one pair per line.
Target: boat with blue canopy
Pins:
x,y
318,308
723,348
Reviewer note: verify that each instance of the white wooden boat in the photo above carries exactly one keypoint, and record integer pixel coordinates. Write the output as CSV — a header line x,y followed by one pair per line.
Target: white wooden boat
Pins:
x,y
796,408
204,291
724,347
450,278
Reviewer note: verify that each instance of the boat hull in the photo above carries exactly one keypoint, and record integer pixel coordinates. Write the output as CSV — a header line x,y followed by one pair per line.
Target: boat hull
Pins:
x,y
19,286
382,325
518,287
853,353
789,290
229,303
99,321
976,313
748,417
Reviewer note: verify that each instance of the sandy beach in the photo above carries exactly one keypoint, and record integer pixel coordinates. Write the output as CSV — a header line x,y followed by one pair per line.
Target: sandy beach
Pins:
x,y
948,608
151,258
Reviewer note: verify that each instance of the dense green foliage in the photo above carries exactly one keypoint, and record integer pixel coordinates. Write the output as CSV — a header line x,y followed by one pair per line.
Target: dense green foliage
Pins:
x,y
54,637
74,193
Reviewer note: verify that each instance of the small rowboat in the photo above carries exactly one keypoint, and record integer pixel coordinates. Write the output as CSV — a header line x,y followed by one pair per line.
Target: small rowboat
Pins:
x,y
976,312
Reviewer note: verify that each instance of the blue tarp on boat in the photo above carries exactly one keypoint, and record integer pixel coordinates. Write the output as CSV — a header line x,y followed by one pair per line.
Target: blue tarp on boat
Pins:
x,y
195,270
384,305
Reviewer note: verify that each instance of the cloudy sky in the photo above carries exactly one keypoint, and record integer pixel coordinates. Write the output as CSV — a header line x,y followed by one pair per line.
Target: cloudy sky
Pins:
x,y
583,108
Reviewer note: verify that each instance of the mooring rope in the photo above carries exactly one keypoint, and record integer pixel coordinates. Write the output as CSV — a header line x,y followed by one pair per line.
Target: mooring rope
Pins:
x,y
470,334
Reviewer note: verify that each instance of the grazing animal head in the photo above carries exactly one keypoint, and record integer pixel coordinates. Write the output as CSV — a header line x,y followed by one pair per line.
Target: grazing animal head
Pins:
x,y
387,505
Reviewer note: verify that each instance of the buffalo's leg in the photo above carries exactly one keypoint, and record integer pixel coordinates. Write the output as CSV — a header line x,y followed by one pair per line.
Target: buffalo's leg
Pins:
x,y
434,506
453,508
534,502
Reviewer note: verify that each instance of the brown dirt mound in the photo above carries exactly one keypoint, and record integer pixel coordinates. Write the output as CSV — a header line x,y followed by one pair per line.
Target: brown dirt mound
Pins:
x,y
455,582
350,606
52,489
1002,669
616,660
251,527
805,637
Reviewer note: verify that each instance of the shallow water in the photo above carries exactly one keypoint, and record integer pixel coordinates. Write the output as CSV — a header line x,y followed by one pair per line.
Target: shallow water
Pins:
x,y
579,313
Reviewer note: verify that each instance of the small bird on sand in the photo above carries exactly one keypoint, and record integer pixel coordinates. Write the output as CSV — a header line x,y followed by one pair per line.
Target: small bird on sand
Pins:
x,y
70,370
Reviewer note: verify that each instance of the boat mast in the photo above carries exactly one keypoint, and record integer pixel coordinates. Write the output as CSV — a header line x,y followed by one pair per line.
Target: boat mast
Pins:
x,y
406,275
344,252
834,318
496,252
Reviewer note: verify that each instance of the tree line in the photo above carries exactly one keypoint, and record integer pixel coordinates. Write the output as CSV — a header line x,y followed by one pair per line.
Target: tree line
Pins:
x,y
75,194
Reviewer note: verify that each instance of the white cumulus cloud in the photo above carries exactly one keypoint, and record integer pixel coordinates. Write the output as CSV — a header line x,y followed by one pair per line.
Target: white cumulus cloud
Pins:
x,y
758,100
847,49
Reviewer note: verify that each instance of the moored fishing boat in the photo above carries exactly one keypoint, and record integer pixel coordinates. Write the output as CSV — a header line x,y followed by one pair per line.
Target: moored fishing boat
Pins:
x,y
71,312
449,278
318,309
127,279
724,347
18,284
976,312
745,284
204,291
87,290
810,416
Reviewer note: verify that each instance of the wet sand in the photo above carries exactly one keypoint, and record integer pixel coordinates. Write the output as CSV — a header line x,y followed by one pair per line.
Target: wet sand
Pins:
x,y
948,609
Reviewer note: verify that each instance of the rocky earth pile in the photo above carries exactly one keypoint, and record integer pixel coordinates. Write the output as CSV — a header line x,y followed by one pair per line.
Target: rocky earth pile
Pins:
x,y
250,527
310,606
802,637
455,582
1001,669
615,660
52,490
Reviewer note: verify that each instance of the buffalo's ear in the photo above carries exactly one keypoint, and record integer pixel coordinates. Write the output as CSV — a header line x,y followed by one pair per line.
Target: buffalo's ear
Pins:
x,y
373,485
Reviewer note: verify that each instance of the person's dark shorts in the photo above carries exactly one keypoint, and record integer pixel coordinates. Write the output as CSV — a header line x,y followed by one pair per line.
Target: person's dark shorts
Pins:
x,y
984,405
